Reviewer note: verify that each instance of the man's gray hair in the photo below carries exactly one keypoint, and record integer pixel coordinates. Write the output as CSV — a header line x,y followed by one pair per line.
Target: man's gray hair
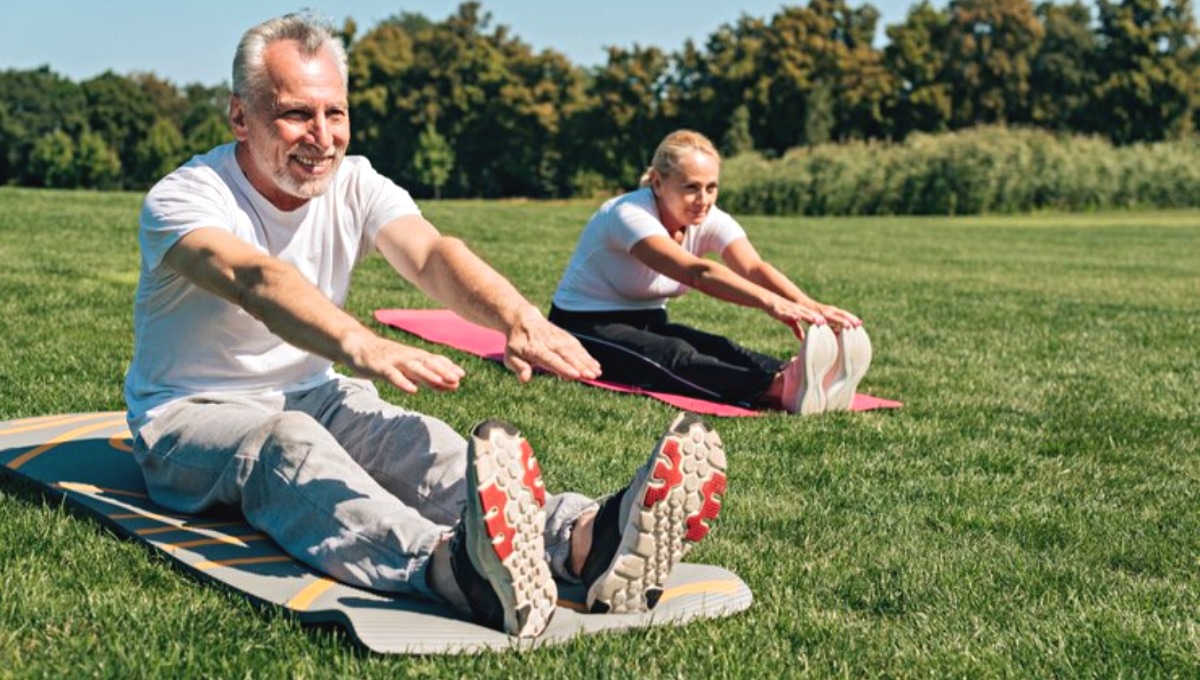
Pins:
x,y
250,80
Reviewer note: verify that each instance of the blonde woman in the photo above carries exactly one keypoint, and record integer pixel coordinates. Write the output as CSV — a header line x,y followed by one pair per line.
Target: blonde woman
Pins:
x,y
645,247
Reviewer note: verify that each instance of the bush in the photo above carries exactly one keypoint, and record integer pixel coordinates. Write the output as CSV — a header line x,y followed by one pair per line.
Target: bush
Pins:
x,y
981,170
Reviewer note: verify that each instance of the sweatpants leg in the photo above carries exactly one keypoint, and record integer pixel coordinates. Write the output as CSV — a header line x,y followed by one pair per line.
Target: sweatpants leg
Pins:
x,y
723,349
295,482
644,350
419,459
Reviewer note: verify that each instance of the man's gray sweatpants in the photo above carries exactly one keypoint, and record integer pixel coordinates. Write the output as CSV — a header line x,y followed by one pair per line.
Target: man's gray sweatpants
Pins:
x,y
345,482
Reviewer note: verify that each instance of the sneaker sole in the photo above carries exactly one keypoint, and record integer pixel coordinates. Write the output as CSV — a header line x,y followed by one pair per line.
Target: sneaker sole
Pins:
x,y
673,509
820,355
508,501
855,354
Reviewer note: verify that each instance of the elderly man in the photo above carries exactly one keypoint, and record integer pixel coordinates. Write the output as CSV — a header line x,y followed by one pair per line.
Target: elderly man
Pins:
x,y
247,253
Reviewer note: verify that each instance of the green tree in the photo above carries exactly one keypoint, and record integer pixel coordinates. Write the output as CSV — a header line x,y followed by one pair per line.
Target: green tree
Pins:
x,y
916,55
819,119
96,163
39,102
434,160
160,151
992,45
714,83
629,111
1146,84
52,161
738,139
122,114
826,42
1063,72
500,106
207,134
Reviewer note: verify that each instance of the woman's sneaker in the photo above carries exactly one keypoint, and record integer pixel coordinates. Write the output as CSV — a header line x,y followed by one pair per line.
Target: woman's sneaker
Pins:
x,y
497,552
853,360
642,532
803,379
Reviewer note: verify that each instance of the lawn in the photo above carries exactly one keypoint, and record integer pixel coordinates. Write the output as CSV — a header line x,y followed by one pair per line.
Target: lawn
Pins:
x,y
1032,511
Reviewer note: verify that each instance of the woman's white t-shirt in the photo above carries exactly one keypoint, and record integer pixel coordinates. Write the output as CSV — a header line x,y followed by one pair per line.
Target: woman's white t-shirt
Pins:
x,y
603,276
188,341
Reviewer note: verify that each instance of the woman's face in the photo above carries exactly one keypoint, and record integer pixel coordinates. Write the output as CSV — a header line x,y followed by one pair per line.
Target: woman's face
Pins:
x,y
687,194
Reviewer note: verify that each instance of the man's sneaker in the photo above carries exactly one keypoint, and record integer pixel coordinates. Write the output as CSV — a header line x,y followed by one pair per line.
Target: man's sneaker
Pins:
x,y
642,532
803,379
497,552
853,360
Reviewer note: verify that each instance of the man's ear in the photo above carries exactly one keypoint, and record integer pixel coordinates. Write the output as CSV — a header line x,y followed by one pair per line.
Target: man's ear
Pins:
x,y
237,118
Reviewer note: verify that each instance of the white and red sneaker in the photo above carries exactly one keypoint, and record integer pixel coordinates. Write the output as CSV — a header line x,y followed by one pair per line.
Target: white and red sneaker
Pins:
x,y
643,531
497,552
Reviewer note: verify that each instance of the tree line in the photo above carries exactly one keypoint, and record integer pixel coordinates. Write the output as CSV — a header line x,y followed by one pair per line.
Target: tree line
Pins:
x,y
460,107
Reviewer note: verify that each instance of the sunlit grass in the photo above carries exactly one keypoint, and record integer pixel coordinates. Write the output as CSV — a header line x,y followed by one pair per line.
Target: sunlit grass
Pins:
x,y
1031,511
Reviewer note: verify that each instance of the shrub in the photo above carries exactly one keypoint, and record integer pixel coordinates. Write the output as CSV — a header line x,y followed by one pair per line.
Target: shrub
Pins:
x,y
981,170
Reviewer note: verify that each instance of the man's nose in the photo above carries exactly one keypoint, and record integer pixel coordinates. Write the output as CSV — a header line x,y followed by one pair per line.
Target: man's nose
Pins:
x,y
319,132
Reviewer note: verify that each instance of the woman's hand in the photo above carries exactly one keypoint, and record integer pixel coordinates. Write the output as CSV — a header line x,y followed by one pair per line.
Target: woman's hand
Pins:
x,y
840,319
793,314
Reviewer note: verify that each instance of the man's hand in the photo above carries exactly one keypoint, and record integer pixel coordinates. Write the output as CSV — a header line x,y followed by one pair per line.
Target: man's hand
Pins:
x,y
535,342
407,368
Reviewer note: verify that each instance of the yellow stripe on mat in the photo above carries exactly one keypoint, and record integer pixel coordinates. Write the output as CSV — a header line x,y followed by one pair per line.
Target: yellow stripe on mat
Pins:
x,y
182,527
60,439
205,566
80,487
239,541
302,600
175,522
118,442
714,587
53,421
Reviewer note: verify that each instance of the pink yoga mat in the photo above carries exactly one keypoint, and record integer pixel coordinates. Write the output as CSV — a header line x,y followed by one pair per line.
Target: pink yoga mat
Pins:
x,y
444,327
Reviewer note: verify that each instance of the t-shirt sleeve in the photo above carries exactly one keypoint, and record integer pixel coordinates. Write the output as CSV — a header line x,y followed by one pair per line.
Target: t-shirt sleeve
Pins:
x,y
632,222
720,230
382,202
182,202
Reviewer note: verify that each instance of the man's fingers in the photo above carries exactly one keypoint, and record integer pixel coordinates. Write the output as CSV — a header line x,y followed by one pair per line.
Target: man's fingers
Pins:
x,y
397,378
518,365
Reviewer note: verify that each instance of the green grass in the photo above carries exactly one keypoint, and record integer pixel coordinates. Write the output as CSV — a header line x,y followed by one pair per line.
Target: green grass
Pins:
x,y
1032,511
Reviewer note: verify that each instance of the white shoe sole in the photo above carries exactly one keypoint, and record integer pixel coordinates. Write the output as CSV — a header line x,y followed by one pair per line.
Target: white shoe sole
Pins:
x,y
507,500
817,357
673,501
854,358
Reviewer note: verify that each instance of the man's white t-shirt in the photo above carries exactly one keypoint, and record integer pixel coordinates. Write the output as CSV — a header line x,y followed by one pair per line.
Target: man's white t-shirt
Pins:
x,y
603,276
188,341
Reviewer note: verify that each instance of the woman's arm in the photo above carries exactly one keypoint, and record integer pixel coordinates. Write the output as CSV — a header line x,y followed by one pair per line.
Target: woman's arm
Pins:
x,y
667,257
743,259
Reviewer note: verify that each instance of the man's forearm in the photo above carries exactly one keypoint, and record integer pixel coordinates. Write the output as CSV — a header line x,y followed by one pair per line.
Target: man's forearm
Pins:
x,y
295,310
461,280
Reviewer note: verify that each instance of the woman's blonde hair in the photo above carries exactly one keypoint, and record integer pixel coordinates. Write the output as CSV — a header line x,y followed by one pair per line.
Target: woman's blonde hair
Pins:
x,y
672,148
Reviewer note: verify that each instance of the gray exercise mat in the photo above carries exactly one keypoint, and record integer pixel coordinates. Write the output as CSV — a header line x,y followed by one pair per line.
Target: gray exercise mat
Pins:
x,y
87,459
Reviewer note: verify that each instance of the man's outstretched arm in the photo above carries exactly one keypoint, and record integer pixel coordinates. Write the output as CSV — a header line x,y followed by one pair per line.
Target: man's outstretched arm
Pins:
x,y
277,294
446,270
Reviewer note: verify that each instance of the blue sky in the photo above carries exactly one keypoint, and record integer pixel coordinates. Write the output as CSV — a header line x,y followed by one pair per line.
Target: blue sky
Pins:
x,y
190,42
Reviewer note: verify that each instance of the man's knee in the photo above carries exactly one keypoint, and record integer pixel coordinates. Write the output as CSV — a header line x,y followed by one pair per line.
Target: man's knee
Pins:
x,y
285,440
